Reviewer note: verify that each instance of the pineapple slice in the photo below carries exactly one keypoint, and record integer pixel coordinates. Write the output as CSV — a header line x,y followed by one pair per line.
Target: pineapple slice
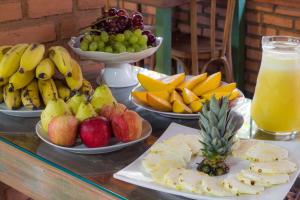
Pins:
x,y
264,152
172,177
275,167
251,178
237,187
190,181
212,186
240,148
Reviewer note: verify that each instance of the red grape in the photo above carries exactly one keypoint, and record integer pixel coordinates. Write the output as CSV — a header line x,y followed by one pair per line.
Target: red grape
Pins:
x,y
151,39
122,12
137,17
146,33
112,12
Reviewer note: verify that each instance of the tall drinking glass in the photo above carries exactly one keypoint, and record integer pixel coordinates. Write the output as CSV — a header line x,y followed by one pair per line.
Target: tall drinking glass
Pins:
x,y
276,102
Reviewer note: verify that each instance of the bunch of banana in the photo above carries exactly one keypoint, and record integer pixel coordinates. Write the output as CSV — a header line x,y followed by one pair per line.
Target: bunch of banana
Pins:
x,y
31,57
1,94
11,60
63,91
11,99
30,96
19,80
3,50
62,59
3,81
45,69
48,90
86,88
75,81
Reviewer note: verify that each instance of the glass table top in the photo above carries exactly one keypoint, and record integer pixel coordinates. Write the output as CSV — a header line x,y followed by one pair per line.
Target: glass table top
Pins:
x,y
98,169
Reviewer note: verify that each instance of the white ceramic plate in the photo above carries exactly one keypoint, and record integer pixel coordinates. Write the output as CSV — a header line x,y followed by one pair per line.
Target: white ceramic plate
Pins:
x,y
82,149
21,112
172,114
135,173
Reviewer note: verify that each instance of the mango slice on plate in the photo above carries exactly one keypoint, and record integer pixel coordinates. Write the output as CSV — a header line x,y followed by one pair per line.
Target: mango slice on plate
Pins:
x,y
158,103
175,96
151,84
140,96
196,106
211,83
234,94
189,96
180,107
224,88
218,95
192,82
174,80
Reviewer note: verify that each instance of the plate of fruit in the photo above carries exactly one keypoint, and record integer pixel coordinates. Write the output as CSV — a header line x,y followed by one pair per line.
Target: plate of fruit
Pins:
x,y
181,96
117,39
91,125
28,79
211,163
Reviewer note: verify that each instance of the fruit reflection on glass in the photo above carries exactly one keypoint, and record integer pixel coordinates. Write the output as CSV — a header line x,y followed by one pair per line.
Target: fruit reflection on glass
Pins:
x,y
118,32
275,106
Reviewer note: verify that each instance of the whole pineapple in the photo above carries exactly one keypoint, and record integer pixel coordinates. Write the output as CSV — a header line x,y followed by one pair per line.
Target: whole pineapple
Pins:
x,y
218,128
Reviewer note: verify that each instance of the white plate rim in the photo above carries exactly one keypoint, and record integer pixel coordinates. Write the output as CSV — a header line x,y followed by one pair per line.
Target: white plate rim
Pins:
x,y
22,111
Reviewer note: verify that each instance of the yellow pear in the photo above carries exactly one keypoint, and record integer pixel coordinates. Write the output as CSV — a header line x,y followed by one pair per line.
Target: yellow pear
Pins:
x,y
158,103
175,96
180,107
196,106
224,88
151,84
211,83
192,82
189,96
175,80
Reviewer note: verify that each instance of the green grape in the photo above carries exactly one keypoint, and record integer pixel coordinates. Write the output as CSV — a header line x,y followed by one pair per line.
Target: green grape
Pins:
x,y
88,37
120,37
127,34
104,36
130,49
112,38
122,49
93,46
126,43
84,46
97,38
102,49
108,49
137,32
101,45
136,48
143,47
133,39
143,39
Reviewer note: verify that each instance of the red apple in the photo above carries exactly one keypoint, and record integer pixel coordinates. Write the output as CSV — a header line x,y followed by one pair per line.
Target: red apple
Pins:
x,y
127,126
109,111
62,130
95,132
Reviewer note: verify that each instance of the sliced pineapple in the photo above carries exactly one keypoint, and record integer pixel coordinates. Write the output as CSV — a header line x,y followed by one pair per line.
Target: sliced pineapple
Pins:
x,y
237,187
264,152
212,186
172,177
240,148
251,178
275,167
190,180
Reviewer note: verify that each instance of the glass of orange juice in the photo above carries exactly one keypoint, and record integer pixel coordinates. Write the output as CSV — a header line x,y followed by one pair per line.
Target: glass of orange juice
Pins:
x,y
276,103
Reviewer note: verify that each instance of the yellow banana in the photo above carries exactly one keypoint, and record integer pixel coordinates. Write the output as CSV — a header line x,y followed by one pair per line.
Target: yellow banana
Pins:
x,y
63,91
31,57
3,50
48,90
19,80
62,59
1,94
30,96
86,88
45,69
11,99
75,81
3,81
11,60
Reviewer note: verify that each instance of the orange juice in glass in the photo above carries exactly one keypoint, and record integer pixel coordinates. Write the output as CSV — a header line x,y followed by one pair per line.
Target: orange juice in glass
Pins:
x,y
276,102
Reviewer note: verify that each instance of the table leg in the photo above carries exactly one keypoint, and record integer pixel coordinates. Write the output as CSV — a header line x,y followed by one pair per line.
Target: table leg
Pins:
x,y
164,29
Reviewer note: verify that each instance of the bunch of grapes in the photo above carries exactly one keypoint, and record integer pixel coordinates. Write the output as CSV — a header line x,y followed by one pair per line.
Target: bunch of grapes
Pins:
x,y
118,32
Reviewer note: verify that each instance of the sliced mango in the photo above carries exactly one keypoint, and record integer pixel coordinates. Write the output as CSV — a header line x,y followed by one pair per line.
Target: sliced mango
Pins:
x,y
174,80
175,96
180,107
224,88
218,95
151,84
196,106
234,94
192,82
211,83
189,96
140,96
158,103
161,94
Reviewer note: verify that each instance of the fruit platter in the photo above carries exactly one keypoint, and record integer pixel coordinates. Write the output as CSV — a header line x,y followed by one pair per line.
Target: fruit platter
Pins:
x,y
116,39
29,79
212,163
91,124
181,96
